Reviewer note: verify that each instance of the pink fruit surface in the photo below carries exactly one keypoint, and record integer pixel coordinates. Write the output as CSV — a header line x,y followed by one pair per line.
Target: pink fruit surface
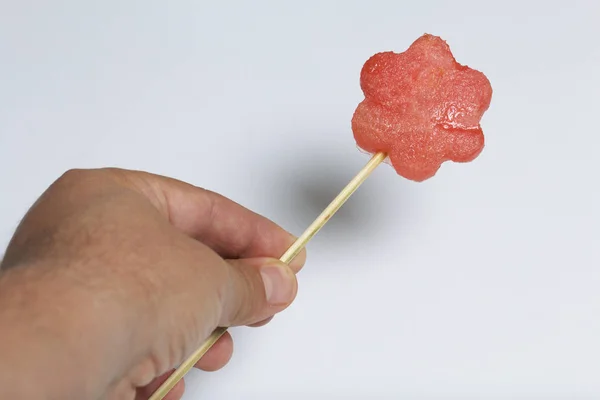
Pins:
x,y
422,108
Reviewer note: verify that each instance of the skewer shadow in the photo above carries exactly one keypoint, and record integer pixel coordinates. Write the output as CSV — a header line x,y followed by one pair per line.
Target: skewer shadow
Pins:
x,y
310,180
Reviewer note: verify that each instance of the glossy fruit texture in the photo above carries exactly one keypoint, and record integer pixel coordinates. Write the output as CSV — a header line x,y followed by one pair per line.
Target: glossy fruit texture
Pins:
x,y
422,108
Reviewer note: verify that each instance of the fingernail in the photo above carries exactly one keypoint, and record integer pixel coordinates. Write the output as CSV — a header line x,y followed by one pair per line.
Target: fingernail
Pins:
x,y
278,284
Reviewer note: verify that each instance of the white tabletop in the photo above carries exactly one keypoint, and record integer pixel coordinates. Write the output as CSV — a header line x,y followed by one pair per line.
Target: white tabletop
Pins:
x,y
481,283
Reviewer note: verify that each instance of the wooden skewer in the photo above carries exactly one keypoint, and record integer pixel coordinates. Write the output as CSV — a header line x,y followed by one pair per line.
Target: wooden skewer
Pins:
x,y
286,258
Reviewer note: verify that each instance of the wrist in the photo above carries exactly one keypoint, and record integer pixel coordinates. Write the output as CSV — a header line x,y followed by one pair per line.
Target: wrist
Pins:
x,y
38,359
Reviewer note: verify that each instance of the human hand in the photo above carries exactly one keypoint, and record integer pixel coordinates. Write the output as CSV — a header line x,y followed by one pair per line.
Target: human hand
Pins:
x,y
114,277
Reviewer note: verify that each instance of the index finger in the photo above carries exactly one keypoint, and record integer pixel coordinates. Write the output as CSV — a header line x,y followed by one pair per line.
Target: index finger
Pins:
x,y
230,229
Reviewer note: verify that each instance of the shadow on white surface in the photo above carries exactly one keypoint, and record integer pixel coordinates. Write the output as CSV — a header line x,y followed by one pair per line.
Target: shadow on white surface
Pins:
x,y
311,178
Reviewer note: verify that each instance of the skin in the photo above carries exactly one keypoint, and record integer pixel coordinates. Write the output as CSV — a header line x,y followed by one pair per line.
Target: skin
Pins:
x,y
114,277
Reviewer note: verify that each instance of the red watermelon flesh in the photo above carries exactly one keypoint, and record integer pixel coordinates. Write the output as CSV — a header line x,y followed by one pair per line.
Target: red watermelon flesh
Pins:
x,y
422,108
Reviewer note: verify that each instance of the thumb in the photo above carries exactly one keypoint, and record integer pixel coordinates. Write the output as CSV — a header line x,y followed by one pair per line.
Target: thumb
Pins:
x,y
258,288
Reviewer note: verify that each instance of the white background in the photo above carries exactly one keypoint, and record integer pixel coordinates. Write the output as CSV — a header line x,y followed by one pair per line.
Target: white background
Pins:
x,y
481,283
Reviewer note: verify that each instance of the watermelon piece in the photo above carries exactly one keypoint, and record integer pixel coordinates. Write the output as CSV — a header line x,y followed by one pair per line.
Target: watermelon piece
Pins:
x,y
422,108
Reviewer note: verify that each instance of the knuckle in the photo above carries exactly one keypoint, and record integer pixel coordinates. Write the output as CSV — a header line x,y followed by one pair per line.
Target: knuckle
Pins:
x,y
72,175
75,178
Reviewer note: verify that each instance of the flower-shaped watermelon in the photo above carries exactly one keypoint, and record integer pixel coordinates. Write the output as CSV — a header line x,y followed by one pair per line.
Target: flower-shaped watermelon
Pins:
x,y
422,108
